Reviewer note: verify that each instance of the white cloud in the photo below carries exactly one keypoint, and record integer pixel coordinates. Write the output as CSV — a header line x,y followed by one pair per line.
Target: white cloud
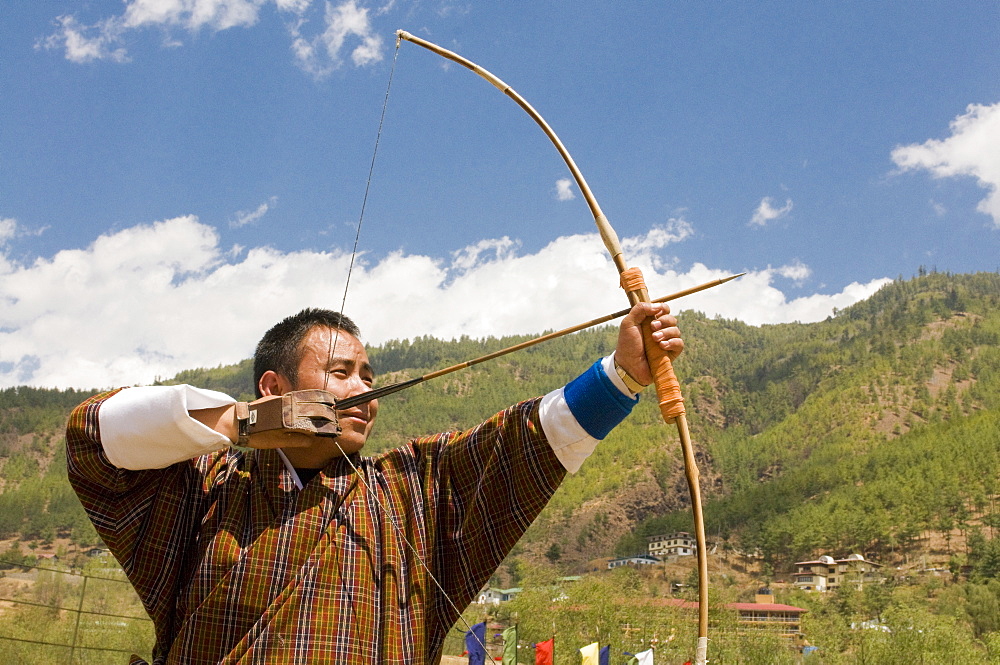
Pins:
x,y
152,300
345,25
564,190
766,212
296,6
469,257
105,39
796,271
676,229
83,43
321,54
191,14
755,301
8,226
244,217
973,149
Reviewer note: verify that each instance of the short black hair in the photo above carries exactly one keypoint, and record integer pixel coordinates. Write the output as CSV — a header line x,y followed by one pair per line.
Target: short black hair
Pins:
x,y
278,349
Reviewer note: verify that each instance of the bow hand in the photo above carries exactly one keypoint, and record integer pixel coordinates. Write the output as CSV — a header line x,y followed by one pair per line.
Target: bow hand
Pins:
x,y
630,353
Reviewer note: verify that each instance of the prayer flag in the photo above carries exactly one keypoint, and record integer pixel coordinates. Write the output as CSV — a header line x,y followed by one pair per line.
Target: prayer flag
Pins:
x,y
605,656
645,657
509,646
475,641
590,654
543,652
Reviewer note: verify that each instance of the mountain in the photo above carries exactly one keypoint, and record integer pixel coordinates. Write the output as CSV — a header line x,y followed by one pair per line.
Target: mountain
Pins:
x,y
859,433
865,432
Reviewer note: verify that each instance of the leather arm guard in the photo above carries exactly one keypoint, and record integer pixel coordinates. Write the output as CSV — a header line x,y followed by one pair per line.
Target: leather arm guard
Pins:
x,y
303,411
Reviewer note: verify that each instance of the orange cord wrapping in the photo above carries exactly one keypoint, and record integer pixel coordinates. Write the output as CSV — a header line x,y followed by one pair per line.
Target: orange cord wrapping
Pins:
x,y
668,388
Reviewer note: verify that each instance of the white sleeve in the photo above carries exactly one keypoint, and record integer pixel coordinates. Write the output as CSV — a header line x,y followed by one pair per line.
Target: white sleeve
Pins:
x,y
570,442
149,427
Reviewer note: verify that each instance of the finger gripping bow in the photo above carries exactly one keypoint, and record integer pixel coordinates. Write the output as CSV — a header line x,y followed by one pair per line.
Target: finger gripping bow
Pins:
x,y
667,386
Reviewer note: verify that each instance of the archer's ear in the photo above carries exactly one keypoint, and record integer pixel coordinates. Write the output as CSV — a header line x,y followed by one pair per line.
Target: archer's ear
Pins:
x,y
272,383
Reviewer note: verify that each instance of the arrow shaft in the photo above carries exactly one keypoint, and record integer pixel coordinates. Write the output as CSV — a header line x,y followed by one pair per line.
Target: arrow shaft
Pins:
x,y
383,391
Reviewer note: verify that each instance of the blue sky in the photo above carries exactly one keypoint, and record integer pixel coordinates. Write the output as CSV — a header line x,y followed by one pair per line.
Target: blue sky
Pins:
x,y
176,175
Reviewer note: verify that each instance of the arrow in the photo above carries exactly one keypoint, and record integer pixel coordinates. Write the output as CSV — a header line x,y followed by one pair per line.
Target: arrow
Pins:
x,y
396,387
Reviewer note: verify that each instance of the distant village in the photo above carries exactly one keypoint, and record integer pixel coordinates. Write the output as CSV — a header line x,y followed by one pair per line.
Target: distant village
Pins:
x,y
822,575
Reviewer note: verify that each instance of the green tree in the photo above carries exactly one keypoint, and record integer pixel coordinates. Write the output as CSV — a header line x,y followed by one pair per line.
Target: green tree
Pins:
x,y
983,608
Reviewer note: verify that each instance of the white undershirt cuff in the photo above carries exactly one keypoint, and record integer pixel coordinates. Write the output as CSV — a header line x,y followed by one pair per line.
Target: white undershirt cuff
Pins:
x,y
149,427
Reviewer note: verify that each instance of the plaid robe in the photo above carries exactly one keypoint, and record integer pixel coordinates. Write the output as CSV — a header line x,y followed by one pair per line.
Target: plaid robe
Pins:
x,y
235,565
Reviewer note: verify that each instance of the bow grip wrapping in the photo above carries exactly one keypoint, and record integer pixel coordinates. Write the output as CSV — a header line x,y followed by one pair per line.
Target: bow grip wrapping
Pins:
x,y
302,411
668,388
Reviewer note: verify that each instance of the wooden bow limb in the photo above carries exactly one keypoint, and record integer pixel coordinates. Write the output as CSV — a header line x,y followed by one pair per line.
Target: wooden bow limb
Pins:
x,y
379,393
668,389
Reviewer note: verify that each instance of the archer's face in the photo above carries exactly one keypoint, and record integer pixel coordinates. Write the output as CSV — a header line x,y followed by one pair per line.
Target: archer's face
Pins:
x,y
345,372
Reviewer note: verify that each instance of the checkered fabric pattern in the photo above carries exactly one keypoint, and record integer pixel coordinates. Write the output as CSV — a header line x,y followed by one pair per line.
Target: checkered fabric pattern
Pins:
x,y
235,565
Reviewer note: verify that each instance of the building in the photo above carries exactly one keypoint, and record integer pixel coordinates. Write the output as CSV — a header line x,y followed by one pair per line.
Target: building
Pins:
x,y
765,614
761,615
827,573
681,543
491,596
637,560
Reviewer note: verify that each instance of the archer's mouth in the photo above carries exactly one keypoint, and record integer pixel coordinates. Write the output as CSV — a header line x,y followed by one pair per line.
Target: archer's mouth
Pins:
x,y
355,416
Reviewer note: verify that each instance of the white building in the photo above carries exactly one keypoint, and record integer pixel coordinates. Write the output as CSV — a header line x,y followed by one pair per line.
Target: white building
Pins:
x,y
681,543
491,596
827,573
637,560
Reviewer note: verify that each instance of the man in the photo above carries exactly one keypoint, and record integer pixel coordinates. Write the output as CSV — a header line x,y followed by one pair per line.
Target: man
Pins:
x,y
299,550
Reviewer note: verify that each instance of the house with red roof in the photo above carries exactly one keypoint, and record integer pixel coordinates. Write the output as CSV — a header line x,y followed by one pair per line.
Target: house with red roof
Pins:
x,y
762,614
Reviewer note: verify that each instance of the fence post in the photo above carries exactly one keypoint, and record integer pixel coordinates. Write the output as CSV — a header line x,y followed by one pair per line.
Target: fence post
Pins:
x,y
79,613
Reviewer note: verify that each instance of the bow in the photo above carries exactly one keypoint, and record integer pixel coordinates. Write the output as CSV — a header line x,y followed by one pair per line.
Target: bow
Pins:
x,y
667,387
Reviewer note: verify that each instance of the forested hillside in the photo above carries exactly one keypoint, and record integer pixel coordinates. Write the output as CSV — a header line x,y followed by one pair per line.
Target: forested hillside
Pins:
x,y
863,432
860,433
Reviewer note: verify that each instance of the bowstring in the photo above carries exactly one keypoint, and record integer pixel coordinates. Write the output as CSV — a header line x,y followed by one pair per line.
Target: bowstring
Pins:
x,y
361,217
402,536
333,343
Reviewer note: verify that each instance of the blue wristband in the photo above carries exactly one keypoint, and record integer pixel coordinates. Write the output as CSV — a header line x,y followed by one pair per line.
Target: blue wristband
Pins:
x,y
596,403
